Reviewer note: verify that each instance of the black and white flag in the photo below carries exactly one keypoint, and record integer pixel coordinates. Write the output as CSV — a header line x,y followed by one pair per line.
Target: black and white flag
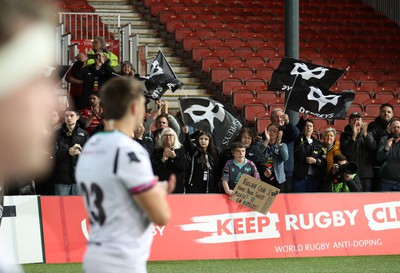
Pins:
x,y
315,101
284,76
211,116
161,78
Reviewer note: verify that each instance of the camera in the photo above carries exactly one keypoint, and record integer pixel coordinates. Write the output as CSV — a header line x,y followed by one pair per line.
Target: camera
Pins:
x,y
92,56
348,168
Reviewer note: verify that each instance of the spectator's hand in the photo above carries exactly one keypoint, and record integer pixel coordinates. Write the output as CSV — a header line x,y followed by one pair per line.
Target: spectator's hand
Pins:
x,y
97,111
171,153
279,138
267,136
286,119
103,57
71,152
303,116
257,139
185,129
311,160
165,155
167,186
335,168
364,128
389,144
166,104
267,173
347,177
77,148
230,192
356,128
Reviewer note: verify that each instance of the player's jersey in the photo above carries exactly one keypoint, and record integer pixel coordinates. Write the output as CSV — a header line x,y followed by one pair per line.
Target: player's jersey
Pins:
x,y
112,168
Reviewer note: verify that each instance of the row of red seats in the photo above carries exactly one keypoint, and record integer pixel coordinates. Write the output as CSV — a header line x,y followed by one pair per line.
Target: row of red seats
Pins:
x,y
267,98
79,7
314,6
345,48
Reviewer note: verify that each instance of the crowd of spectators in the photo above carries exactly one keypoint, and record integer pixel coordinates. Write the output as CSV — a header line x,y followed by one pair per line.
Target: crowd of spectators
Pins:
x,y
364,158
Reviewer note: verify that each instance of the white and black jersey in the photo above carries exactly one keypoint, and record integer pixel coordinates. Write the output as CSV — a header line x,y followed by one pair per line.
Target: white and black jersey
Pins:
x,y
112,168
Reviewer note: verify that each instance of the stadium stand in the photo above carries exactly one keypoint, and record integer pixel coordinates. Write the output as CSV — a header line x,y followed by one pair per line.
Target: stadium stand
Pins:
x,y
239,44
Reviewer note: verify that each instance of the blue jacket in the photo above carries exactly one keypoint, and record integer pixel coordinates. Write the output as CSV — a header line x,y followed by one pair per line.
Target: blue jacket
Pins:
x,y
281,155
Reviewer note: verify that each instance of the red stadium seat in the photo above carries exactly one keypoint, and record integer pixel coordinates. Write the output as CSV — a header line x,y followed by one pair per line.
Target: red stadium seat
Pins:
x,y
254,59
250,110
200,49
220,73
238,97
395,101
262,123
254,82
207,59
242,71
385,96
372,110
229,84
346,85
232,60
340,124
190,40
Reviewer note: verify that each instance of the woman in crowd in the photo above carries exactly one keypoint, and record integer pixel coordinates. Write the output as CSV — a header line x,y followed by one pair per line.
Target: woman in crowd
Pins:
x,y
276,153
332,146
170,158
203,165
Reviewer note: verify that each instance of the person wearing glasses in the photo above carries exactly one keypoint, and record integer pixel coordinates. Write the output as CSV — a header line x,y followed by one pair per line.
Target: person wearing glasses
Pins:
x,y
170,158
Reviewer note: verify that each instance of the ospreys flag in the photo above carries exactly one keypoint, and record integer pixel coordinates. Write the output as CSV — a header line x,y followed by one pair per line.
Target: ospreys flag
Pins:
x,y
315,75
161,78
321,103
211,116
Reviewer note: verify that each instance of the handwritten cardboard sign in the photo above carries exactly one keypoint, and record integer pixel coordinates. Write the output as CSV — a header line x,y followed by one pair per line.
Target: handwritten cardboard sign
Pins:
x,y
254,194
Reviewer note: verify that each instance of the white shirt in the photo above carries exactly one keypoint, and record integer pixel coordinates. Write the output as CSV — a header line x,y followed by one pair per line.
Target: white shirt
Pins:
x,y
112,168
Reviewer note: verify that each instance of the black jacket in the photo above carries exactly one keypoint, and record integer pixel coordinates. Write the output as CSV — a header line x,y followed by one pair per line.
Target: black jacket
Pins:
x,y
361,151
177,166
64,169
89,75
303,149
201,178
378,130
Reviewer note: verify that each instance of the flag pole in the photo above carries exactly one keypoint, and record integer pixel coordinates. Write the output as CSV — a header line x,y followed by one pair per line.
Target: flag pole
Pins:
x,y
180,109
347,69
290,93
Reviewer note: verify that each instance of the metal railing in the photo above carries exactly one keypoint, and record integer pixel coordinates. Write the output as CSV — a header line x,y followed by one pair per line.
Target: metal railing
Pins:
x,y
391,8
83,25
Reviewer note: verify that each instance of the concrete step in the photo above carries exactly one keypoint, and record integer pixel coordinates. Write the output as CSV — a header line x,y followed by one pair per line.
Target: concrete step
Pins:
x,y
115,7
149,35
152,32
189,80
189,92
152,40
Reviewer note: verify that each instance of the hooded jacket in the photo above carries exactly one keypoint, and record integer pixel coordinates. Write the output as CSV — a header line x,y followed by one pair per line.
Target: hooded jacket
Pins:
x,y
361,151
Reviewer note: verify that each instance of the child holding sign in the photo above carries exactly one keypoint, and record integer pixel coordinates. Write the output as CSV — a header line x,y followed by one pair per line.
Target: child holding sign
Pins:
x,y
234,168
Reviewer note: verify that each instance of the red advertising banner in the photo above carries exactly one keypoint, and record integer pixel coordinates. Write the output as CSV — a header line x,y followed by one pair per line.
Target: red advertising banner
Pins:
x,y
65,228
212,227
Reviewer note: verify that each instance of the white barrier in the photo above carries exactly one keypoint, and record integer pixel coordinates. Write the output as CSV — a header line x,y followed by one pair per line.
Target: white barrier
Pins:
x,y
20,230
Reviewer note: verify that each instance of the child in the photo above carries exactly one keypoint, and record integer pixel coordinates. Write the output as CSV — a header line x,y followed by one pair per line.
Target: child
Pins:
x,y
234,168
